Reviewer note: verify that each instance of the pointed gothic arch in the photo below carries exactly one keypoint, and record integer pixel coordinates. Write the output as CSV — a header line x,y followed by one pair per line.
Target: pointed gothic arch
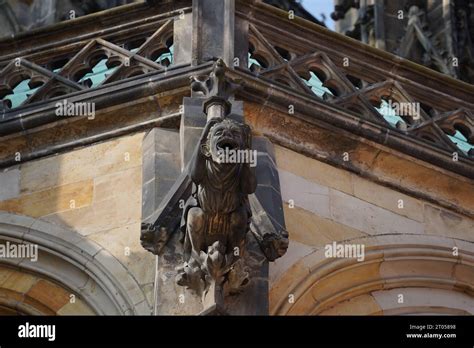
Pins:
x,y
422,268
67,263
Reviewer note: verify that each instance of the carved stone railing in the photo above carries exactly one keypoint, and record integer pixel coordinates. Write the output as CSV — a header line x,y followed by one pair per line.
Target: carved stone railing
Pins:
x,y
316,62
61,63
108,50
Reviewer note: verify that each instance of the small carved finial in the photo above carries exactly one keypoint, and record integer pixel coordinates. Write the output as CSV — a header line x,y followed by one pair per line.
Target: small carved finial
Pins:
x,y
214,85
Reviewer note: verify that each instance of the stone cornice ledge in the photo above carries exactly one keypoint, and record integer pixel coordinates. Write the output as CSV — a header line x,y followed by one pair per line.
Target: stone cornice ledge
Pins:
x,y
41,113
307,109
318,112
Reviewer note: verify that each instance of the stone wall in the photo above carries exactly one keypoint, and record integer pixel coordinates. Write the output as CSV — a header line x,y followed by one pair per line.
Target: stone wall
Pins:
x,y
95,191
406,239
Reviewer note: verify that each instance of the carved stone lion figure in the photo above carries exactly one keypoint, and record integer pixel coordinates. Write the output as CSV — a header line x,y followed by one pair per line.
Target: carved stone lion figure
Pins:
x,y
216,217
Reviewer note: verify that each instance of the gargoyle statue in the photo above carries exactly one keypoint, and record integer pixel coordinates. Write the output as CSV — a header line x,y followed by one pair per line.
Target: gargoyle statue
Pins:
x,y
217,215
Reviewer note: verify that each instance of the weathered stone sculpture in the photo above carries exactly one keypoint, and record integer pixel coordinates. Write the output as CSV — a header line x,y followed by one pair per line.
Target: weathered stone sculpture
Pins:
x,y
227,236
217,215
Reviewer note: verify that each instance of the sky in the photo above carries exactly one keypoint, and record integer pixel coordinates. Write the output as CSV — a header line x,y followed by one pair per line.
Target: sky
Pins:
x,y
316,7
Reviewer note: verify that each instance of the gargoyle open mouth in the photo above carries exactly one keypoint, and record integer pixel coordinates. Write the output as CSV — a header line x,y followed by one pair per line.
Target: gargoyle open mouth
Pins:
x,y
227,144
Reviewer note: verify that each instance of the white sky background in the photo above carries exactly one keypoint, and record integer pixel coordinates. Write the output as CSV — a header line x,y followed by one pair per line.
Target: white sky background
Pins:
x,y
316,7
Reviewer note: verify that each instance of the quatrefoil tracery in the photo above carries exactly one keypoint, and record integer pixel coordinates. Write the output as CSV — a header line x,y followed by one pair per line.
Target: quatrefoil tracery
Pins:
x,y
97,63
377,102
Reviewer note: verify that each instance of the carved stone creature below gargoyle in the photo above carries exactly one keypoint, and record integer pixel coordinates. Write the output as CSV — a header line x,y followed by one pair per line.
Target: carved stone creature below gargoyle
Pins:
x,y
216,217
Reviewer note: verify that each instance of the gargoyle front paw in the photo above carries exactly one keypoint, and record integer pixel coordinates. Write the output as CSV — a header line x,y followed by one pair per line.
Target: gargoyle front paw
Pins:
x,y
147,236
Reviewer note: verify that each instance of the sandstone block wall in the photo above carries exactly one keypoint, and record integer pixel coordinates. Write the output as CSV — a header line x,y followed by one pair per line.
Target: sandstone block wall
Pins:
x,y
324,204
95,191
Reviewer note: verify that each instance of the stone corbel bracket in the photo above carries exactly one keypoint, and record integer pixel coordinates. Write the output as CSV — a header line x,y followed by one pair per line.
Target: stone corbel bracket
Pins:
x,y
156,232
273,242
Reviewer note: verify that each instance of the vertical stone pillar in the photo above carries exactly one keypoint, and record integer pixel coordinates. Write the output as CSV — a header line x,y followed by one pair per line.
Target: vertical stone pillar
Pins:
x,y
161,166
213,31
379,24
193,121
182,34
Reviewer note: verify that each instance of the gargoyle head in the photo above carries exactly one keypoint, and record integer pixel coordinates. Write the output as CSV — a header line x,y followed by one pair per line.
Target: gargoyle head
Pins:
x,y
226,136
